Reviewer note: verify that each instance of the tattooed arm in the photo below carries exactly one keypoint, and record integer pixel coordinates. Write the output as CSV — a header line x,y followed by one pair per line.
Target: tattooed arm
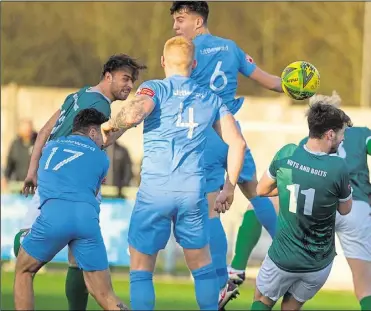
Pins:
x,y
132,113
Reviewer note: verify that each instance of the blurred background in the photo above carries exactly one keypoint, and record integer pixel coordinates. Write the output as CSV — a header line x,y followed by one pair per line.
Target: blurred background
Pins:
x,y
49,50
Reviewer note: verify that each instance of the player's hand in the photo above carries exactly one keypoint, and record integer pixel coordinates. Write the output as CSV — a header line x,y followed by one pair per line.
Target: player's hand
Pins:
x,y
223,201
108,138
29,185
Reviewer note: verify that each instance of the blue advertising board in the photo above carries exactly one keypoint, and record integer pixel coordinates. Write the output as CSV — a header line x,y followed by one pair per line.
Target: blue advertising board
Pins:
x,y
114,221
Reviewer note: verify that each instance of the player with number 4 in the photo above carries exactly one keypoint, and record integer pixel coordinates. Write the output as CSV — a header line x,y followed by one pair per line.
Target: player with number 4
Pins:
x,y
311,186
178,114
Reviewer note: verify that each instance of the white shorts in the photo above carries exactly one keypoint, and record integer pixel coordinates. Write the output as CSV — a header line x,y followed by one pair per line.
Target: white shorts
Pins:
x,y
274,283
33,210
354,231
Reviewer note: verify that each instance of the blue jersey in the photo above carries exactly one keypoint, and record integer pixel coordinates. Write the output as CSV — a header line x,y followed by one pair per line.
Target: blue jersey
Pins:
x,y
175,133
71,168
219,61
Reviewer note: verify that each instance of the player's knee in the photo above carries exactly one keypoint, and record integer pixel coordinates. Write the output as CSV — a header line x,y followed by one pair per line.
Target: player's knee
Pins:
x,y
26,264
361,271
197,258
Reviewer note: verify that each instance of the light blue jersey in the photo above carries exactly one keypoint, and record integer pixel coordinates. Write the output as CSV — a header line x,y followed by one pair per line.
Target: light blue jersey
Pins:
x,y
219,61
175,133
172,188
71,168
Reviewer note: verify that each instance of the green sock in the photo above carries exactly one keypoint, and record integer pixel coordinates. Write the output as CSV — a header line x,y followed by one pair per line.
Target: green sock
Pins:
x,y
366,303
76,291
258,305
247,238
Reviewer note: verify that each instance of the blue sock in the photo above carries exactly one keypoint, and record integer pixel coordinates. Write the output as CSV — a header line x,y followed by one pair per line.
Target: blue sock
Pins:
x,y
218,250
142,292
207,288
266,214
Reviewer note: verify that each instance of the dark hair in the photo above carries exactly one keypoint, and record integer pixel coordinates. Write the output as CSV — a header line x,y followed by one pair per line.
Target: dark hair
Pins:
x,y
199,7
323,117
87,118
122,61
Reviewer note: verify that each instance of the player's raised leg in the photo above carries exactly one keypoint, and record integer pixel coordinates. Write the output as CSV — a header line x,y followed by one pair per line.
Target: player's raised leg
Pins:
x,y
247,238
263,207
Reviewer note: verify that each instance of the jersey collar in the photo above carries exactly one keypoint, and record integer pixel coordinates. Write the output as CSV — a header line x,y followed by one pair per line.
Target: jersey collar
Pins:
x,y
313,152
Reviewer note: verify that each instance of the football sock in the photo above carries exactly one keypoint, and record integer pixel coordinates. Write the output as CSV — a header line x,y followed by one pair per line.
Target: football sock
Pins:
x,y
258,305
266,214
142,292
206,287
76,291
365,303
218,250
247,237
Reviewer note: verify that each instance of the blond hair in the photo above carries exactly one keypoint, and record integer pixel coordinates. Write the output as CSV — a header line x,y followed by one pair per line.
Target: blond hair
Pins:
x,y
179,52
334,99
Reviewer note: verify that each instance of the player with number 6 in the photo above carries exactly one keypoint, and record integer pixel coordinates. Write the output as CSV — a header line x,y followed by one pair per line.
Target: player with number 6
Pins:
x,y
312,186
219,62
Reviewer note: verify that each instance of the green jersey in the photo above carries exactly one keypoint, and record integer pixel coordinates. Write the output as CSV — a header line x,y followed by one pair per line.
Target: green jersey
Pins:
x,y
310,186
354,150
85,98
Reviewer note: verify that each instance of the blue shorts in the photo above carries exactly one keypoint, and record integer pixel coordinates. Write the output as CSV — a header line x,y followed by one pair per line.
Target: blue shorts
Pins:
x,y
156,210
216,153
64,223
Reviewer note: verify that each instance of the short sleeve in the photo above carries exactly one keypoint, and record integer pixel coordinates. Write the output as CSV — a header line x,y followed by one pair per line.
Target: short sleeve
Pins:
x,y
247,64
285,152
273,167
344,188
152,89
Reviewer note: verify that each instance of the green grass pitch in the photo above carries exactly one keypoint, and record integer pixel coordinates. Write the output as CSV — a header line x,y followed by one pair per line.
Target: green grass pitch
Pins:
x,y
171,294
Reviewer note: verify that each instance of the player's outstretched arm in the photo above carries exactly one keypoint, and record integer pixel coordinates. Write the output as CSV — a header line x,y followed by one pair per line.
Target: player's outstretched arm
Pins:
x,y
267,186
266,80
132,113
31,180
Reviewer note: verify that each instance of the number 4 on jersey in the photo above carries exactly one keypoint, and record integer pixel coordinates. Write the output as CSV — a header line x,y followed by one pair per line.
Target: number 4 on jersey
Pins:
x,y
191,122
75,155
294,194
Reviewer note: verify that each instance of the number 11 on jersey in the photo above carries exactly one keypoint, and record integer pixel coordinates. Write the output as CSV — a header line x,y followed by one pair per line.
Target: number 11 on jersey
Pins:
x,y
294,194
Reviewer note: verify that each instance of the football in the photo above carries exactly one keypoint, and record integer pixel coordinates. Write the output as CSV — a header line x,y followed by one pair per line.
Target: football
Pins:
x,y
300,80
